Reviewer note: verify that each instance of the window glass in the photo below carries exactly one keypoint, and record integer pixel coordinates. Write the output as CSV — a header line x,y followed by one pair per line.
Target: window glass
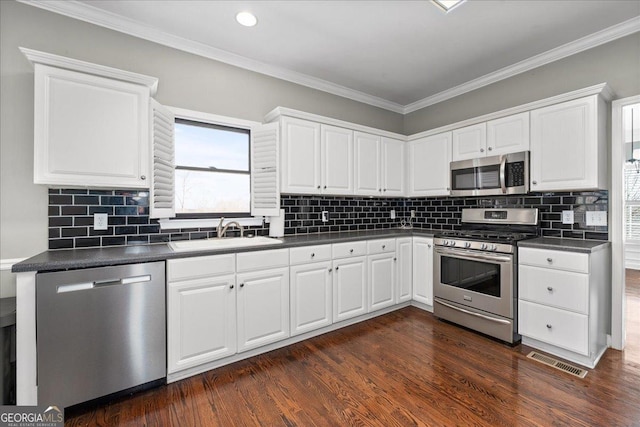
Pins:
x,y
212,174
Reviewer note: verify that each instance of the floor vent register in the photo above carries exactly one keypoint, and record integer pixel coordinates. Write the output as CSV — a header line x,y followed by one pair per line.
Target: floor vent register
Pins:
x,y
550,361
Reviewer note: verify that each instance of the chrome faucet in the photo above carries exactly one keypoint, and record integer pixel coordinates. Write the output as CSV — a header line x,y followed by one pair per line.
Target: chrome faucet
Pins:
x,y
223,230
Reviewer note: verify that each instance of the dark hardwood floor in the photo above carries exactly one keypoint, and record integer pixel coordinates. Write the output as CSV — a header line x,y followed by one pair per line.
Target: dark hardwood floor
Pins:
x,y
405,368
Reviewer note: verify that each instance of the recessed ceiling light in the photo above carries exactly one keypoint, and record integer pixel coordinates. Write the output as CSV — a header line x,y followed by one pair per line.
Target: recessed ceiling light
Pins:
x,y
247,19
448,5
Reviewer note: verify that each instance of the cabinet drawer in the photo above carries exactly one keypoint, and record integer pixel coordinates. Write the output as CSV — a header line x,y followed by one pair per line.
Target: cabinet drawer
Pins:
x,y
343,250
561,289
262,260
202,266
308,254
561,328
570,261
381,246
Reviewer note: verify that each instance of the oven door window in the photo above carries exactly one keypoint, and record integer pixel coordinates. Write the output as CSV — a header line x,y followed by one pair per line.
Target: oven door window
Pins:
x,y
476,276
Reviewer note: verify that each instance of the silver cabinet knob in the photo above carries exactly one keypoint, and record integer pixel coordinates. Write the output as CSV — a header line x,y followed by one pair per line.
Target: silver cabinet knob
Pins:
x,y
337,268
549,260
384,246
318,187
231,287
429,246
549,288
350,251
312,255
330,270
242,285
548,326
482,150
395,259
489,148
143,177
325,187
534,182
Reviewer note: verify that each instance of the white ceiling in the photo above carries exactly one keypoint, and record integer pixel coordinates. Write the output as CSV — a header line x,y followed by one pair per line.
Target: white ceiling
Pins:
x,y
399,55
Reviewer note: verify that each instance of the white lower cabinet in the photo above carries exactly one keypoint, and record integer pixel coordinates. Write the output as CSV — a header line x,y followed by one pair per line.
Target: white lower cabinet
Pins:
x,y
404,267
349,288
564,302
381,268
423,270
311,296
263,307
201,312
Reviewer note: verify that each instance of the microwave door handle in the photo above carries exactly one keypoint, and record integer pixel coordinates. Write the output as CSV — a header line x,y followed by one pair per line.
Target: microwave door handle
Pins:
x,y
503,181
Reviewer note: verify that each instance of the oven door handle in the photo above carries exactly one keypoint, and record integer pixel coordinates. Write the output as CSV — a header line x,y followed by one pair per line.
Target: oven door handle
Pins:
x,y
503,180
493,319
472,255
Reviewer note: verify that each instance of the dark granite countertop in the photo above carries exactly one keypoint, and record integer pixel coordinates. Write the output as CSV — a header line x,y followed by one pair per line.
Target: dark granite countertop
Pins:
x,y
560,244
68,259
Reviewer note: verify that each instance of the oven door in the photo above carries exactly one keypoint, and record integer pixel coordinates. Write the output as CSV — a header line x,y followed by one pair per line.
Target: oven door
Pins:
x,y
483,281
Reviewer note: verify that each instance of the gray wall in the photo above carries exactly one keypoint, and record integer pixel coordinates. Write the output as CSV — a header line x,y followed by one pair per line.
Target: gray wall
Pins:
x,y
617,63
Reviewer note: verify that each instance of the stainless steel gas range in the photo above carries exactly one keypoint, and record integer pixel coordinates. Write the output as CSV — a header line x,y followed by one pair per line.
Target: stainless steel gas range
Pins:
x,y
475,270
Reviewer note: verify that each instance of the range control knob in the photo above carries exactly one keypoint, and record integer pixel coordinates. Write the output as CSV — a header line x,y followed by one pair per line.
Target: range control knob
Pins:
x,y
494,247
467,244
453,243
483,246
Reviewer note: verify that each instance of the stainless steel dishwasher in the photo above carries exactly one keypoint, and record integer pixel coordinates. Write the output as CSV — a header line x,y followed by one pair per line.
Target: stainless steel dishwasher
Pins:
x,y
99,331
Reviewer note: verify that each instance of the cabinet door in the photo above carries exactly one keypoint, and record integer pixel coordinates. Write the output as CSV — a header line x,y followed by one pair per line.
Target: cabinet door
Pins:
x,y
404,266
382,270
367,164
300,156
392,167
564,146
201,321
106,145
349,288
423,270
429,158
508,134
337,160
469,142
263,307
311,297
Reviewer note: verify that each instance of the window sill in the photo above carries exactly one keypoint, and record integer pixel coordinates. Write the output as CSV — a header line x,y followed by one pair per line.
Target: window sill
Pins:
x,y
175,224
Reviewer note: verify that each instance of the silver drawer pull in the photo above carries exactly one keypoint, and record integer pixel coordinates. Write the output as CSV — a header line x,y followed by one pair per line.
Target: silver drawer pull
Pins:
x,y
137,279
75,287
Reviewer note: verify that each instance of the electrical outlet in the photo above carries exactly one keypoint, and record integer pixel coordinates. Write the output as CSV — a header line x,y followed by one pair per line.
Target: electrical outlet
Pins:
x,y
567,217
392,214
325,216
100,221
596,218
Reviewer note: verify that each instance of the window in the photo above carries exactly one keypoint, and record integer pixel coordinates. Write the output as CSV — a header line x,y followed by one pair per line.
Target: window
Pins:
x,y
631,140
212,172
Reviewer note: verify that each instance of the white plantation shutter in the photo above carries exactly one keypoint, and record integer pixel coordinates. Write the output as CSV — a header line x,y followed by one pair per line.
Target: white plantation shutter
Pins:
x,y
265,182
161,191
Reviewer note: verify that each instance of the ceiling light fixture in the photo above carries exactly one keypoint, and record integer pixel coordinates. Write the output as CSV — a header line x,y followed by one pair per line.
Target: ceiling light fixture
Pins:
x,y
247,19
447,5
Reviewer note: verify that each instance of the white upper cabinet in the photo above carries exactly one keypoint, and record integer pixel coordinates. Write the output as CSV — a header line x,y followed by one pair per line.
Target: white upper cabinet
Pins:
x,y
568,146
316,158
500,136
428,159
469,142
300,156
337,160
91,124
508,134
392,167
367,164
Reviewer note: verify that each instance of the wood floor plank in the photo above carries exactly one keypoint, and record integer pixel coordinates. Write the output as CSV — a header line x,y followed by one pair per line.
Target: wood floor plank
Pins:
x,y
405,368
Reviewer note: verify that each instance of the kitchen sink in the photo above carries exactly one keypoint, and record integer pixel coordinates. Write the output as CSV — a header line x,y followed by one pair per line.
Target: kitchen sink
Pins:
x,y
225,243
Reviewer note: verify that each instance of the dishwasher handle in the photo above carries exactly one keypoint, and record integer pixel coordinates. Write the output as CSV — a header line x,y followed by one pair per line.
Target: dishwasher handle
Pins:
x,y
102,283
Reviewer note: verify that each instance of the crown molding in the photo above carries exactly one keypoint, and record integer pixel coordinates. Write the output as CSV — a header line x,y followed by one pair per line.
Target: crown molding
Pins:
x,y
585,43
91,14
37,57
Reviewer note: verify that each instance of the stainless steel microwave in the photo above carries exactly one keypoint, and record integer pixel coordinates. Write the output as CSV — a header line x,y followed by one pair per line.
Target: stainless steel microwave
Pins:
x,y
488,176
